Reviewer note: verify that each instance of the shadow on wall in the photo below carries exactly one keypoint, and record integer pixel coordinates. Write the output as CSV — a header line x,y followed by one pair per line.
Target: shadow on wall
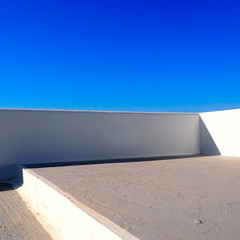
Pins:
x,y
207,144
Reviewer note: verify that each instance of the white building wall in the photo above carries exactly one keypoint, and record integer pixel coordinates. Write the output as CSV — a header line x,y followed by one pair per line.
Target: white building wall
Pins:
x,y
33,136
220,132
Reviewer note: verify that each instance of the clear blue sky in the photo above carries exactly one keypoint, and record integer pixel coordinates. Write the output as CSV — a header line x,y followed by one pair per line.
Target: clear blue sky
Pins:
x,y
120,55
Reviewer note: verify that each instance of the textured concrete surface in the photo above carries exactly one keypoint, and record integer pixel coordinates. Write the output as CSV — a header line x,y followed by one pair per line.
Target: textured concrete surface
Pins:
x,y
16,221
189,198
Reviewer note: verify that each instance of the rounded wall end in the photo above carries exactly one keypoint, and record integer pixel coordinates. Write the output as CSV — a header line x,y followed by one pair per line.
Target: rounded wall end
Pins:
x,y
8,172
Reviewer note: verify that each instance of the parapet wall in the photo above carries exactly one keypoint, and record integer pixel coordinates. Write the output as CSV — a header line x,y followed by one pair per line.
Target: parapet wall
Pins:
x,y
32,136
220,133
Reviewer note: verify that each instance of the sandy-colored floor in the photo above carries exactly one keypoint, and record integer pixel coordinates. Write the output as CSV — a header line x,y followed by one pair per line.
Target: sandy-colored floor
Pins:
x,y
16,221
189,198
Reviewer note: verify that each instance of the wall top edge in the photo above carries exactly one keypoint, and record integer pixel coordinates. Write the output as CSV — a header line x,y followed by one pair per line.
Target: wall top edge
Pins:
x,y
91,111
218,111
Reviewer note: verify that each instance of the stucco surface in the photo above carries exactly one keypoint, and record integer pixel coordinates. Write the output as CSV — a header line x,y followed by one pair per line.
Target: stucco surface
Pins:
x,y
220,133
34,136
188,198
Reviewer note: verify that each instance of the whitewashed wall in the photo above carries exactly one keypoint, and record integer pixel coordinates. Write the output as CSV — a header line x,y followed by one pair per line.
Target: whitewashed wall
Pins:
x,y
220,132
33,136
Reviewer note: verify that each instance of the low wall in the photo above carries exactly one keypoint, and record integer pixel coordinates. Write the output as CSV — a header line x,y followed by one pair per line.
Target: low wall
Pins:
x,y
220,133
63,216
32,136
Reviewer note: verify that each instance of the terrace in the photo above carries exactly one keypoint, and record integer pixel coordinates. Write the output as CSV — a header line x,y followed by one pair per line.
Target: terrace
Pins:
x,y
119,175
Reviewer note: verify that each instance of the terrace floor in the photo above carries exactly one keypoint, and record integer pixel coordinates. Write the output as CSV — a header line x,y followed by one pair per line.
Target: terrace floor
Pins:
x,y
187,198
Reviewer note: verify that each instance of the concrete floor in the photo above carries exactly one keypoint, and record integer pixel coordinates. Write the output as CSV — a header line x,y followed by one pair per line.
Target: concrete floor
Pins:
x,y
16,220
188,198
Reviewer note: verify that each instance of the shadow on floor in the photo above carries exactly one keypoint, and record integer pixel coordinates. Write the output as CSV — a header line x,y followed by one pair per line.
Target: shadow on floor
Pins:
x,y
18,180
13,183
109,161
5,187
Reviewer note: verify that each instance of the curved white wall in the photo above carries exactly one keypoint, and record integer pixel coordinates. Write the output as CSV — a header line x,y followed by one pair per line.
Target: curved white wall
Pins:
x,y
33,136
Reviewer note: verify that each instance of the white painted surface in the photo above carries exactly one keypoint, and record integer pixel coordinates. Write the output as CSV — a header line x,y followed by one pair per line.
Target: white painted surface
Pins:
x,y
220,132
34,136
63,216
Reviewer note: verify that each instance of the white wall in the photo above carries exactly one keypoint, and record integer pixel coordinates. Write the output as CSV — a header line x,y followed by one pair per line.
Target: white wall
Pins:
x,y
32,136
63,216
220,132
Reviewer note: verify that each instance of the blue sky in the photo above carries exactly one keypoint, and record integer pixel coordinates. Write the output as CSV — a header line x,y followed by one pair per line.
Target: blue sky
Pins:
x,y
181,56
